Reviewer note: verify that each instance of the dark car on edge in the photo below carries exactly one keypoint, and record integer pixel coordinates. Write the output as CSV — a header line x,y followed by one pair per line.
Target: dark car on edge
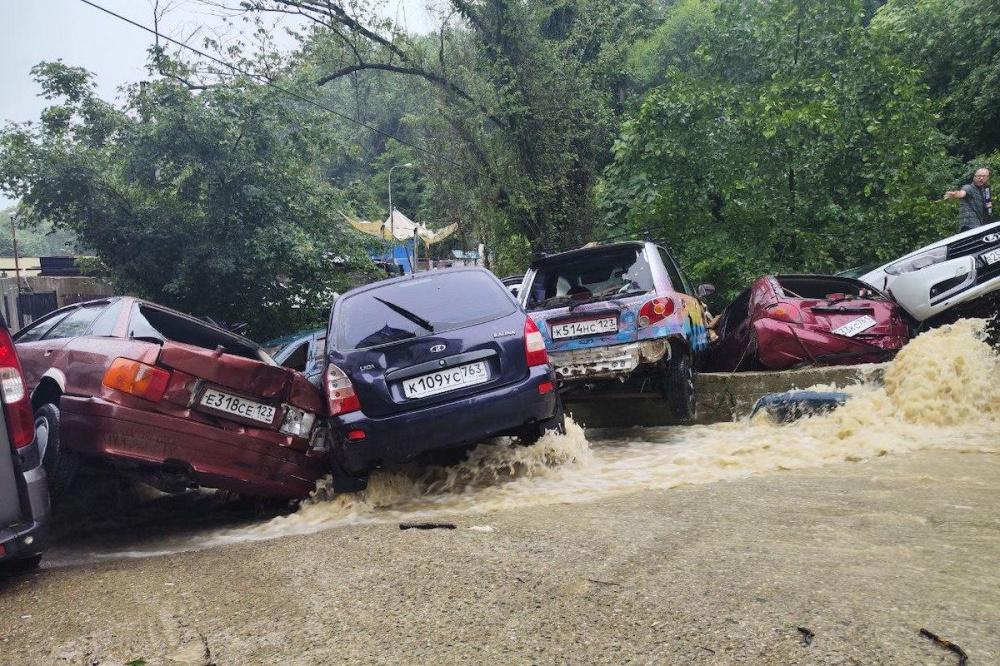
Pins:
x,y
24,493
432,364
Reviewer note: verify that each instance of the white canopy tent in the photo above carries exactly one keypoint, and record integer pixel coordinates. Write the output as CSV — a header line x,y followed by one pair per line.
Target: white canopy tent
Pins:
x,y
399,227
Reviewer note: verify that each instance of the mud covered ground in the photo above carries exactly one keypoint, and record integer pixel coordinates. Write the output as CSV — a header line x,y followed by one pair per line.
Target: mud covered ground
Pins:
x,y
862,554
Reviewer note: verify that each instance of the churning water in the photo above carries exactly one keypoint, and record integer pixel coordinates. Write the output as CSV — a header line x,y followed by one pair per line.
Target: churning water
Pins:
x,y
941,392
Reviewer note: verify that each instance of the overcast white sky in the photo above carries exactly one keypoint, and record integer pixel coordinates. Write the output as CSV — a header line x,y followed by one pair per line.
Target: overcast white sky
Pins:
x,y
35,30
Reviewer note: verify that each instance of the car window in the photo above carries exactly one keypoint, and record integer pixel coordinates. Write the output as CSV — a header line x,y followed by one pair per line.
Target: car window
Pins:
x,y
153,323
602,273
446,301
35,331
677,279
104,325
296,358
319,347
77,323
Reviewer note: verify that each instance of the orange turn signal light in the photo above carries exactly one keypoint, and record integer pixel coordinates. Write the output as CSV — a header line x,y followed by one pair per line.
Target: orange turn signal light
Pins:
x,y
138,379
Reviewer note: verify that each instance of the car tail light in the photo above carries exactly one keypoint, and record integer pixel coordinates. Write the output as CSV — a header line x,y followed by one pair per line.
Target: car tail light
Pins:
x,y
655,310
340,393
297,422
138,379
16,404
534,344
785,312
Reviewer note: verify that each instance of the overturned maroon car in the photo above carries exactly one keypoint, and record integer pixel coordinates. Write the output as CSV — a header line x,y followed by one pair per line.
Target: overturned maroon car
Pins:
x,y
170,399
787,321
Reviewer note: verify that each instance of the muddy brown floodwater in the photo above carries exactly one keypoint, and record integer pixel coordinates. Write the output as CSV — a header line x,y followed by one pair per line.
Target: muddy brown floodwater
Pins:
x,y
704,544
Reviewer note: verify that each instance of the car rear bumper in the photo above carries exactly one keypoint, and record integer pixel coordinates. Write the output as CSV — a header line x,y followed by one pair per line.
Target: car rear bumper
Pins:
x,y
28,538
402,437
608,362
781,345
221,458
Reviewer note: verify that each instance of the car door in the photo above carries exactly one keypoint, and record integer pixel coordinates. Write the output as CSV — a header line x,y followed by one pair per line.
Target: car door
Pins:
x,y
42,348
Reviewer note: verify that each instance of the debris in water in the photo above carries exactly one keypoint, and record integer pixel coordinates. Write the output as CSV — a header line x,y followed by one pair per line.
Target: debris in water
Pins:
x,y
793,405
962,657
426,526
807,635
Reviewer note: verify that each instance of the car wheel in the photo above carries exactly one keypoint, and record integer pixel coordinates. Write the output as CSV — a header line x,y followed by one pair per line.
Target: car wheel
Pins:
x,y
556,423
60,465
681,396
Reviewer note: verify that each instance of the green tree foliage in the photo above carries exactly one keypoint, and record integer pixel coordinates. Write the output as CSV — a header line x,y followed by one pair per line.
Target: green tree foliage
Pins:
x,y
771,148
520,99
956,44
209,202
35,240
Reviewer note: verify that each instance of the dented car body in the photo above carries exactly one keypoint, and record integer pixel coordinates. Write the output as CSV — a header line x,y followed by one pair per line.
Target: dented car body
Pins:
x,y
618,312
170,398
786,321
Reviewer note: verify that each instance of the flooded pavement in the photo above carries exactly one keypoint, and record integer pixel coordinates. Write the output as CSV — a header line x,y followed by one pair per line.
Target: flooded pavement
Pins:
x,y
709,544
940,393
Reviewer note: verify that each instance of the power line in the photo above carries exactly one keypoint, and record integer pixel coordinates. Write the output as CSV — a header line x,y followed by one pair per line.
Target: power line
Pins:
x,y
266,80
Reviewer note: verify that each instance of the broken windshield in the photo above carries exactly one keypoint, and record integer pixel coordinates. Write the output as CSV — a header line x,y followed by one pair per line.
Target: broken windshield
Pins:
x,y
604,274
435,302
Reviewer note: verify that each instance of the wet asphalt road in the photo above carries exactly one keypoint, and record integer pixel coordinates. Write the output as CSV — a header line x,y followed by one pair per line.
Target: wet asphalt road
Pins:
x,y
862,554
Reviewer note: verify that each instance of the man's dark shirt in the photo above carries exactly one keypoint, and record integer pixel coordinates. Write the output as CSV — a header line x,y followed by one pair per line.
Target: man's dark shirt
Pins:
x,y
972,208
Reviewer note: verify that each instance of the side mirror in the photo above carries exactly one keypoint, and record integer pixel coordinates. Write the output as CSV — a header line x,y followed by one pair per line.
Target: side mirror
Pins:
x,y
705,290
514,290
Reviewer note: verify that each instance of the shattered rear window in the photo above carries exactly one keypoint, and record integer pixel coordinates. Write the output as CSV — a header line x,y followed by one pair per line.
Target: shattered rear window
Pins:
x,y
152,323
602,274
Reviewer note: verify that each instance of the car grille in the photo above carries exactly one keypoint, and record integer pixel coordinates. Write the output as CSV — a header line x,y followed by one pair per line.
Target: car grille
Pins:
x,y
975,246
986,273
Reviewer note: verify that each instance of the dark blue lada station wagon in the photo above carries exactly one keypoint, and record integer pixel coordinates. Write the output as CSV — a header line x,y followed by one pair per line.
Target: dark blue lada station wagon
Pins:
x,y
432,363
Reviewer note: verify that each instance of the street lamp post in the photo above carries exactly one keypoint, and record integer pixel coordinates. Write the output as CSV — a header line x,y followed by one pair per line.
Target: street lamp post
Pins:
x,y
17,265
392,217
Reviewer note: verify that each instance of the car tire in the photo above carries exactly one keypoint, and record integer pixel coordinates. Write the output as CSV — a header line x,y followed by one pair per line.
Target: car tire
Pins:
x,y
556,422
681,396
60,465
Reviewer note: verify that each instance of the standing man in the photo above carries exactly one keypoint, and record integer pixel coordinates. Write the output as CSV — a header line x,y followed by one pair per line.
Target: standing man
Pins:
x,y
975,207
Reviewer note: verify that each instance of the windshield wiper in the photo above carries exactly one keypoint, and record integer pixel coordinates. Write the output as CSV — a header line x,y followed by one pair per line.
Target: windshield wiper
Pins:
x,y
412,316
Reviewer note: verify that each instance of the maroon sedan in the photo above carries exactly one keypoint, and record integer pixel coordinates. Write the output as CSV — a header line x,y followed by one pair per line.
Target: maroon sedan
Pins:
x,y
785,321
169,398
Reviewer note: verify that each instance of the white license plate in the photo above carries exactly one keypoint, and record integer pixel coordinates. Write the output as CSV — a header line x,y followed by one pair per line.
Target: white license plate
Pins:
x,y
855,326
574,329
992,257
237,406
443,381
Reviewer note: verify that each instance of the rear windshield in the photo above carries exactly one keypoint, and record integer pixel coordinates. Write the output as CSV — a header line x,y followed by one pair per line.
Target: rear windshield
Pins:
x,y
154,324
421,306
599,275
823,288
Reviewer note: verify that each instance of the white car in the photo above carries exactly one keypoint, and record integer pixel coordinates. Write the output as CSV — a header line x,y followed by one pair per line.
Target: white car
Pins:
x,y
958,269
